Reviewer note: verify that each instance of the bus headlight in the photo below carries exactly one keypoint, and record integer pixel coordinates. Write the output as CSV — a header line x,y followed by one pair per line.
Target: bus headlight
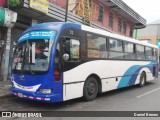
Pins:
x,y
46,91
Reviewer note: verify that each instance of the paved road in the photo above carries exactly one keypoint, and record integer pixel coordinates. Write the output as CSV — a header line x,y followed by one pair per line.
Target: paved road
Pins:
x,y
128,99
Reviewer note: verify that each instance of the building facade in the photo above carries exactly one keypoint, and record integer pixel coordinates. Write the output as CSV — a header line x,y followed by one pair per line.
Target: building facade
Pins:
x,y
151,33
3,32
111,15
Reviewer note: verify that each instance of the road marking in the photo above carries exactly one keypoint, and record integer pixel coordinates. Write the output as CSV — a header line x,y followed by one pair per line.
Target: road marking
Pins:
x,y
148,92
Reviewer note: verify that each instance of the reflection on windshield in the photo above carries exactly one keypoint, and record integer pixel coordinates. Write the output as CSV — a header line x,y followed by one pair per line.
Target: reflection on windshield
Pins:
x,y
32,55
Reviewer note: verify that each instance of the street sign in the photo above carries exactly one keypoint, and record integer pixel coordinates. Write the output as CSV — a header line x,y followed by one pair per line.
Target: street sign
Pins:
x,y
7,17
2,16
40,5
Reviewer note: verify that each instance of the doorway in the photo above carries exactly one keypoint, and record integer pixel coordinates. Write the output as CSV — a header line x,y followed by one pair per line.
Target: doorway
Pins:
x,y
2,38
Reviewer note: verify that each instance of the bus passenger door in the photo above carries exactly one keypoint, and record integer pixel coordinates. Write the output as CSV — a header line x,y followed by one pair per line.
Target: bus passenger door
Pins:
x,y
70,54
72,87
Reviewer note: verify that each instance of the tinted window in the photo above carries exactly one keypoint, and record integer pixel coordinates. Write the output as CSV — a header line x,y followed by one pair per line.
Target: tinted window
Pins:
x,y
155,52
140,52
96,46
140,49
129,50
115,45
148,52
128,47
116,49
74,50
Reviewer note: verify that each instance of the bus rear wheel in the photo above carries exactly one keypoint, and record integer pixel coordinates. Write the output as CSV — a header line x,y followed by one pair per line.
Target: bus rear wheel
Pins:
x,y
142,79
90,90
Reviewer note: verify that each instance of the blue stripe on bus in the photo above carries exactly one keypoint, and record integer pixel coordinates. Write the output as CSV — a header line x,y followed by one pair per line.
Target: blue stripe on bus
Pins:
x,y
134,71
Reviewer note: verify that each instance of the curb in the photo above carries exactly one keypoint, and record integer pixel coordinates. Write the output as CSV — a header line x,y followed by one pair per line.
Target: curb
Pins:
x,y
5,96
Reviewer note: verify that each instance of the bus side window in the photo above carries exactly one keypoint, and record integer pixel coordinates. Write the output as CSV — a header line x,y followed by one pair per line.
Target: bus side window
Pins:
x,y
72,48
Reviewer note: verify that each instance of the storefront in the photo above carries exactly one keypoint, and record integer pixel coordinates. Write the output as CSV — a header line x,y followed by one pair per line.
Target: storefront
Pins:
x,y
7,21
2,47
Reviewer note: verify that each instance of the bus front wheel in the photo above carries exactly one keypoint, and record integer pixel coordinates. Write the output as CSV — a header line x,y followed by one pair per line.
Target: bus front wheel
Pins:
x,y
142,79
90,90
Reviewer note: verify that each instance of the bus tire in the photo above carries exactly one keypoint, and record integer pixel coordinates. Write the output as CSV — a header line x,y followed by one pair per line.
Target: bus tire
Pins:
x,y
90,89
142,80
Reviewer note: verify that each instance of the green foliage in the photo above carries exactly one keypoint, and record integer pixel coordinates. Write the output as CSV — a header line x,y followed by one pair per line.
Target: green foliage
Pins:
x,y
13,3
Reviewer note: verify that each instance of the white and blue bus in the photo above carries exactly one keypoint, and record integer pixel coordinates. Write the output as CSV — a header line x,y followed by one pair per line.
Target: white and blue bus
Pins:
x,y
60,61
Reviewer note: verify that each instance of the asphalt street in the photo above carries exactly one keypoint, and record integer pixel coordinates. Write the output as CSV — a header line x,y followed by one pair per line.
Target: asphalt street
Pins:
x,y
127,99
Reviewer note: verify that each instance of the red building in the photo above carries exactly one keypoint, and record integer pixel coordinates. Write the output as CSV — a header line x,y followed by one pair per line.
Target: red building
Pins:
x,y
112,15
2,3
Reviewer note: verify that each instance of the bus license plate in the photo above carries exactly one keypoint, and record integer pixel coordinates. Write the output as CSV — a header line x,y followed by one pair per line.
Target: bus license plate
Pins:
x,y
20,95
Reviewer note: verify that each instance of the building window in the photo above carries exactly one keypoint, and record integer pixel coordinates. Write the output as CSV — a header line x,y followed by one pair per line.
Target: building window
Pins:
x,y
110,19
131,31
124,27
100,15
115,45
128,47
120,24
90,3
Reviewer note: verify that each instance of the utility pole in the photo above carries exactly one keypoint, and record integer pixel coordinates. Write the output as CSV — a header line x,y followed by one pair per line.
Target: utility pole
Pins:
x,y
6,61
66,15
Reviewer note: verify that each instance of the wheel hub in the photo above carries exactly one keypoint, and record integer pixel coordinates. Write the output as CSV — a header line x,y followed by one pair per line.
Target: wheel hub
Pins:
x,y
91,88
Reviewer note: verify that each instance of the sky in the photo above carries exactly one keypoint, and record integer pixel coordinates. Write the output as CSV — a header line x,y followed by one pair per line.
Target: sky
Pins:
x,y
148,9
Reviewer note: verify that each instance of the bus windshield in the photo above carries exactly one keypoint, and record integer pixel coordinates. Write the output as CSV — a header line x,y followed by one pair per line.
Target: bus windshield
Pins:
x,y
32,56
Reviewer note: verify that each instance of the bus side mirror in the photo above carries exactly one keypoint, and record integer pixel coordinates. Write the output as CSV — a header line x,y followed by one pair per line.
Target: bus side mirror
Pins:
x,y
65,57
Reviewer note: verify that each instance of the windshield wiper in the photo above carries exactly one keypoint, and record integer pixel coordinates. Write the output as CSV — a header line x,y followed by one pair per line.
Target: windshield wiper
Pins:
x,y
26,61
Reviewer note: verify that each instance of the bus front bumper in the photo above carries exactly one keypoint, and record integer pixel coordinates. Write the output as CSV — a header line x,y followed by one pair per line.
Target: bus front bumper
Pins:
x,y
35,95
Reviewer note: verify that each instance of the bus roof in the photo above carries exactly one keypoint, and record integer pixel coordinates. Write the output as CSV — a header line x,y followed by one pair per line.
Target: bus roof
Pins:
x,y
60,25
52,26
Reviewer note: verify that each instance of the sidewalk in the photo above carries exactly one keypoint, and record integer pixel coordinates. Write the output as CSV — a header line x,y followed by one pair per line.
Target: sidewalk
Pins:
x,y
4,88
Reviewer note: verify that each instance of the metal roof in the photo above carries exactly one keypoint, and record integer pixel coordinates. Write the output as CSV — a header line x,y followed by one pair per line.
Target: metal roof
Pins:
x,y
124,10
56,13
